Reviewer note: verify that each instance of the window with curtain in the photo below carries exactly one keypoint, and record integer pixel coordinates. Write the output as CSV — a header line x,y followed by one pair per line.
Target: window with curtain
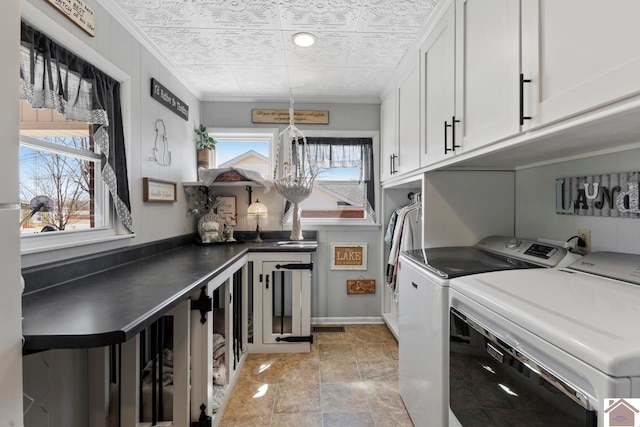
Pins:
x,y
59,160
60,163
344,186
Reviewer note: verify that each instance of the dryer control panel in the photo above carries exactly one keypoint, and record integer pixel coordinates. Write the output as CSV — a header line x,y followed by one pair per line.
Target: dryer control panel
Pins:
x,y
541,251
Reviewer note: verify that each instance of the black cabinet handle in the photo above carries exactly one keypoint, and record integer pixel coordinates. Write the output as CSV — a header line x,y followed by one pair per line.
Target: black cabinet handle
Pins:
x,y
414,284
295,266
446,149
267,281
522,82
453,133
390,164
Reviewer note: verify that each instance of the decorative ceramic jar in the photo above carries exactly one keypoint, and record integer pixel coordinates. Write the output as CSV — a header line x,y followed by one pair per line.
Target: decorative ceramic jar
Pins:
x,y
211,228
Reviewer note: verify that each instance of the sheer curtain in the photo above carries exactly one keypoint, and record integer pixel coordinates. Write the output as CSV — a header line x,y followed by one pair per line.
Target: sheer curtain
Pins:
x,y
328,152
52,77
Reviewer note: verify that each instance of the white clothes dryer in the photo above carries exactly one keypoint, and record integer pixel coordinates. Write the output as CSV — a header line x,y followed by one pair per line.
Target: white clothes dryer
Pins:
x,y
546,346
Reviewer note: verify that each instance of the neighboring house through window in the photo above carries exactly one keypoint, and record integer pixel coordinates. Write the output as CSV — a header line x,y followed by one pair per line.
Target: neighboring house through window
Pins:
x,y
344,187
245,149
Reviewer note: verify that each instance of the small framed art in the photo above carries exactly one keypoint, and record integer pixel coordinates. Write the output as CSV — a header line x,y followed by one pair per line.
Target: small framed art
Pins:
x,y
155,190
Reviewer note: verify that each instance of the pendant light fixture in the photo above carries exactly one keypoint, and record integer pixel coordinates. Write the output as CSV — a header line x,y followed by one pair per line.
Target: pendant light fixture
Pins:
x,y
294,174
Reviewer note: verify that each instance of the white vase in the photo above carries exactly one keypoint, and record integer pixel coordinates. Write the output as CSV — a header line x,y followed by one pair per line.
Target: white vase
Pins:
x,y
296,228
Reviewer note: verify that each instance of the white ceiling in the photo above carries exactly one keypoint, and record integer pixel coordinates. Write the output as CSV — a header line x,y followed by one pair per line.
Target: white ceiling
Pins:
x,y
243,48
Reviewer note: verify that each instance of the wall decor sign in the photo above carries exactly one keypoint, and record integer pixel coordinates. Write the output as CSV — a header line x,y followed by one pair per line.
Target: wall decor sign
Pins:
x,y
348,256
613,195
155,190
361,286
227,207
165,97
317,117
78,12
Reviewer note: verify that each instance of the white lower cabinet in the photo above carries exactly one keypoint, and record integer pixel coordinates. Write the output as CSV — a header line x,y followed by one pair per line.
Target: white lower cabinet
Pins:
x,y
197,350
217,340
279,302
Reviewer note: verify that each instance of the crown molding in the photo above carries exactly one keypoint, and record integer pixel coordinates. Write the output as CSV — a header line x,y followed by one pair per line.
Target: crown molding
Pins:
x,y
125,20
212,97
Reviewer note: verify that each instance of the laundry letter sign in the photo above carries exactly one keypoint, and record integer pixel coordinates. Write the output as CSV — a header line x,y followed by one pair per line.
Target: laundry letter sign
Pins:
x,y
348,256
612,195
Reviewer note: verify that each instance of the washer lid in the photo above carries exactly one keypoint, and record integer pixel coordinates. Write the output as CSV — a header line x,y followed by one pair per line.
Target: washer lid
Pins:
x,y
592,318
456,261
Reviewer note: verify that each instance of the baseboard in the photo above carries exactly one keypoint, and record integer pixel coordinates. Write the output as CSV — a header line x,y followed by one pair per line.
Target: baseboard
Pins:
x,y
346,320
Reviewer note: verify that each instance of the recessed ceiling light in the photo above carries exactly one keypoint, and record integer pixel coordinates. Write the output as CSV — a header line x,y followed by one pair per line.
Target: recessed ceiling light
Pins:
x,y
303,39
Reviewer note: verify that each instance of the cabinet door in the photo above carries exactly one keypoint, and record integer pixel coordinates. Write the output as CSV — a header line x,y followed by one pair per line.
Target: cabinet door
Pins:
x,y
487,71
438,91
285,302
388,136
409,118
579,55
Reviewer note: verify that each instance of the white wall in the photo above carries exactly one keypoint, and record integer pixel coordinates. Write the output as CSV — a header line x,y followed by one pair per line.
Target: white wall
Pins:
x,y
536,204
10,307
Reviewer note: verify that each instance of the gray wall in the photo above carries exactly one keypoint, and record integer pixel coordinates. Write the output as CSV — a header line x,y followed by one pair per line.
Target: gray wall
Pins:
x,y
152,221
536,204
329,295
66,401
341,116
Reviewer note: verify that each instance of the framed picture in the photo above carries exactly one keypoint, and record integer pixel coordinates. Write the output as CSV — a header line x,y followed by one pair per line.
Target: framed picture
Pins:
x,y
155,190
348,256
227,207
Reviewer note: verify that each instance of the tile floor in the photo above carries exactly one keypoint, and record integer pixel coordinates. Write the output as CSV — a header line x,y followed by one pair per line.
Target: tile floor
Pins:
x,y
348,379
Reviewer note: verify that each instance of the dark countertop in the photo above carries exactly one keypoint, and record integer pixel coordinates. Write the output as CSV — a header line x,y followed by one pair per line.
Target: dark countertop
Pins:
x,y
113,306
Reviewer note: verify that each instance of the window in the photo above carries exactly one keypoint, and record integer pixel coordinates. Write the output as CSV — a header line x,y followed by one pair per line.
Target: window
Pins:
x,y
59,187
244,149
344,187
337,193
73,164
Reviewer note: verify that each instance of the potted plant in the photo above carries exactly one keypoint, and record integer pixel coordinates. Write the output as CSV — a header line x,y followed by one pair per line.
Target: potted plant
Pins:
x,y
204,143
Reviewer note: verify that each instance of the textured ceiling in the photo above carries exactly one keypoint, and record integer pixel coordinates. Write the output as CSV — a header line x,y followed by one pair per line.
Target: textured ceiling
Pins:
x,y
243,48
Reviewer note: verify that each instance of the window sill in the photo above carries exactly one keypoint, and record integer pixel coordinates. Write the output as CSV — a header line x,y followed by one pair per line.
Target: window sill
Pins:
x,y
44,249
343,225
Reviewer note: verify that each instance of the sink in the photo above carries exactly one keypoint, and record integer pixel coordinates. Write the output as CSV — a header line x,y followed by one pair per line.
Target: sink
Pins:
x,y
297,243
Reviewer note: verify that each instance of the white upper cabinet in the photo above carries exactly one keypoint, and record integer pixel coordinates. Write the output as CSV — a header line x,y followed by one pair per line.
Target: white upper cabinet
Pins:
x,y
388,136
579,55
400,122
409,117
437,94
487,71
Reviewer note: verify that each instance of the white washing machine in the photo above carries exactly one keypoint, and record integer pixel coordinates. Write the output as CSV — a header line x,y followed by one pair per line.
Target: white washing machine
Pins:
x,y
546,346
423,287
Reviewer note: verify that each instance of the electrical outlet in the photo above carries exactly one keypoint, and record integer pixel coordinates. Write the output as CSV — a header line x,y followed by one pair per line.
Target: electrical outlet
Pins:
x,y
586,236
